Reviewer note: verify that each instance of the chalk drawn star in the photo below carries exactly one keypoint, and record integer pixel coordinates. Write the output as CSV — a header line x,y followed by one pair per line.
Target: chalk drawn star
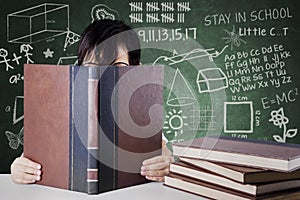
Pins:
x,y
48,53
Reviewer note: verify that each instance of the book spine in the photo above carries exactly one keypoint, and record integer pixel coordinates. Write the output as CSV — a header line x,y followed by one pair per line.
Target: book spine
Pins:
x,y
107,137
92,134
78,129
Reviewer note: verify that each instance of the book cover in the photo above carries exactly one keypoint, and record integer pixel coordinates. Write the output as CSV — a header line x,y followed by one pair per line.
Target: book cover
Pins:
x,y
126,97
212,178
242,174
39,133
73,125
254,153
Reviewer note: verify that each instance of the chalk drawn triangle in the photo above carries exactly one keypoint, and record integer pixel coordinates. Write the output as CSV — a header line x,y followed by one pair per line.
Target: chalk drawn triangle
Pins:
x,y
71,38
180,92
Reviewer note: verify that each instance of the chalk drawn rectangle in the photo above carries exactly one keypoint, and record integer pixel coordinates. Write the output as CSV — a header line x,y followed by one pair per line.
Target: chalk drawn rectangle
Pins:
x,y
238,117
37,23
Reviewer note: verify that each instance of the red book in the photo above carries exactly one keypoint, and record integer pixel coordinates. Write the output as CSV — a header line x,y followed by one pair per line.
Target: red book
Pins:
x,y
254,153
221,193
79,124
256,189
242,174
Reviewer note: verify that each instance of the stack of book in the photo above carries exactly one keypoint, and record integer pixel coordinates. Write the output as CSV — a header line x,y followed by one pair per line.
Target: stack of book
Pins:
x,y
227,168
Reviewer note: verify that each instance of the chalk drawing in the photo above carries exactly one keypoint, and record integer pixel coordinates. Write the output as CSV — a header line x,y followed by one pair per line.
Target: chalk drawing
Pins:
x,y
194,54
48,53
174,123
180,92
16,58
55,18
167,6
136,17
71,38
136,6
156,12
233,38
243,110
67,60
101,11
211,80
279,119
15,140
183,7
203,118
3,55
152,7
18,114
25,48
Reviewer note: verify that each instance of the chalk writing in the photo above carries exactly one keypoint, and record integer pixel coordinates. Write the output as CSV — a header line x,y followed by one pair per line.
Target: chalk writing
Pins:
x,y
162,34
257,68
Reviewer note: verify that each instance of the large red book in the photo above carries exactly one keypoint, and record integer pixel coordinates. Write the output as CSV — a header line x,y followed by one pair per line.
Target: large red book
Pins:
x,y
91,127
254,153
242,174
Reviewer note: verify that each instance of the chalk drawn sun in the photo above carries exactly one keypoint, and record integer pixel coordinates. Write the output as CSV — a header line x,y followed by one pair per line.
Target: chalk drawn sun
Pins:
x,y
174,122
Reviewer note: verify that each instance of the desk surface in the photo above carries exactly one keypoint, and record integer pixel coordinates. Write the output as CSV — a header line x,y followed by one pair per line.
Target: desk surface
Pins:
x,y
149,191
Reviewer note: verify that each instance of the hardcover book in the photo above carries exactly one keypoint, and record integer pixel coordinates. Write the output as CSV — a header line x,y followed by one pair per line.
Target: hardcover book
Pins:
x,y
91,127
220,193
257,189
242,174
254,153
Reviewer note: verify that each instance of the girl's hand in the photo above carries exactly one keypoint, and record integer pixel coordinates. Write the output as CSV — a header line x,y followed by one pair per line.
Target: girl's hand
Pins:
x,y
25,171
156,168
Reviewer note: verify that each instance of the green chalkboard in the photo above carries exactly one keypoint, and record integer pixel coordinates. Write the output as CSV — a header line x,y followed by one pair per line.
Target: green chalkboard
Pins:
x,y
231,67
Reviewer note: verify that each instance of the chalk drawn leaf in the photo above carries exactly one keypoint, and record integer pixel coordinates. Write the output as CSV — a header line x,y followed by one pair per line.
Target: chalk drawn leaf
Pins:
x,y
291,133
278,138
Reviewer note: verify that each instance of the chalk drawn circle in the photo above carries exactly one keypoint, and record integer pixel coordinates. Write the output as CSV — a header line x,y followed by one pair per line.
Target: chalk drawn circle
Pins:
x,y
173,120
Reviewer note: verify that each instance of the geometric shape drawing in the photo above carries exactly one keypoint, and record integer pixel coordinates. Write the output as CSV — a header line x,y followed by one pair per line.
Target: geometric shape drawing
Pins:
x,y
203,118
174,122
71,38
102,11
15,139
68,60
238,117
211,79
48,53
180,92
18,113
37,23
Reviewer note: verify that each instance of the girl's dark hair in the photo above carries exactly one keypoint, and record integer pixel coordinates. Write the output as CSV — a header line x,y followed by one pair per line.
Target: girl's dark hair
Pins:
x,y
97,38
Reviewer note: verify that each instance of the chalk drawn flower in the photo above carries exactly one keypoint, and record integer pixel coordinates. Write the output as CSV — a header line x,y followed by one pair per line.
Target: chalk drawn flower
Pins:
x,y
278,119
